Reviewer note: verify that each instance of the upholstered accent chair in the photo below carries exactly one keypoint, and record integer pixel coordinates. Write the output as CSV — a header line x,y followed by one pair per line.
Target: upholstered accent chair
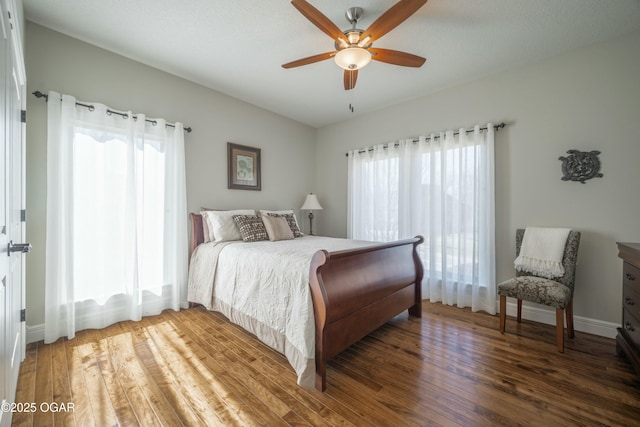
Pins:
x,y
556,292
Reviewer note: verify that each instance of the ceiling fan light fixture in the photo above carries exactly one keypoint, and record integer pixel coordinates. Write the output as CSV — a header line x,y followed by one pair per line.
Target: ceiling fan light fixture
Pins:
x,y
352,58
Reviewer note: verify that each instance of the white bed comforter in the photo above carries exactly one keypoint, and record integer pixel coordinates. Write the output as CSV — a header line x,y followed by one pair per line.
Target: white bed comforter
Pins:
x,y
264,287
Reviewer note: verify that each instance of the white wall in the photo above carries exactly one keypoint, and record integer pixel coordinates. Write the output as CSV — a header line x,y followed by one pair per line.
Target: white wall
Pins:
x,y
586,100
66,65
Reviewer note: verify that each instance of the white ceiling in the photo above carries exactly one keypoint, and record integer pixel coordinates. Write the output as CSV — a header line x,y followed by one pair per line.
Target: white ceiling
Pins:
x,y
237,46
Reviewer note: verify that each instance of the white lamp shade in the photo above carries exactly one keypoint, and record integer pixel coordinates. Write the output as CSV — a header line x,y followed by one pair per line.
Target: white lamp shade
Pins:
x,y
352,58
311,203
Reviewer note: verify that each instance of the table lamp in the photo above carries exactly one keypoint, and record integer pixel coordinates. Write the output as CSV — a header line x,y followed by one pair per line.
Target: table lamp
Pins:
x,y
311,204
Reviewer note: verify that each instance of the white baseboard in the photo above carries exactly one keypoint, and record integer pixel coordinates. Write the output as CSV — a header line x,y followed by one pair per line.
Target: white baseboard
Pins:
x,y
34,333
548,316
581,324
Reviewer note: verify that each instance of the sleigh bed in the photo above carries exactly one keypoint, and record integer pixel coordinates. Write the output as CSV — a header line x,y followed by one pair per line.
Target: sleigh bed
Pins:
x,y
347,294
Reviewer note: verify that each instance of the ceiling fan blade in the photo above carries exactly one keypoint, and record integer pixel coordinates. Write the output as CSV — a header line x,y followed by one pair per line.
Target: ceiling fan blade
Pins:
x,y
319,20
309,60
392,18
396,57
350,77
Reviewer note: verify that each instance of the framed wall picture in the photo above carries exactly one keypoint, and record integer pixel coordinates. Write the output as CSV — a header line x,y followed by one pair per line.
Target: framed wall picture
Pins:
x,y
243,167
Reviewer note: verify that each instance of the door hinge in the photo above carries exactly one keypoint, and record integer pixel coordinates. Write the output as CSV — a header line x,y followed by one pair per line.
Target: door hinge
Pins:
x,y
23,215
23,116
23,315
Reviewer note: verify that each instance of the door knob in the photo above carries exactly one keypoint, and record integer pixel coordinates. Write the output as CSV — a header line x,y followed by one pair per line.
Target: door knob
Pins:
x,y
18,247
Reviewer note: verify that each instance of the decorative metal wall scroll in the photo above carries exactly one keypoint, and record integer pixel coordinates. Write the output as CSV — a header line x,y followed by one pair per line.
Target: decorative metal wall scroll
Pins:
x,y
580,165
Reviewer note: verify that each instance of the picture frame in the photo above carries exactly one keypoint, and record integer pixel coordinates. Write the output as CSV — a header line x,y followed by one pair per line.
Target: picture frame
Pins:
x,y
243,167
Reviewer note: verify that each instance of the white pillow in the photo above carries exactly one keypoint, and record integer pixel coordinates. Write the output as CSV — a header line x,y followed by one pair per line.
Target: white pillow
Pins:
x,y
222,227
205,225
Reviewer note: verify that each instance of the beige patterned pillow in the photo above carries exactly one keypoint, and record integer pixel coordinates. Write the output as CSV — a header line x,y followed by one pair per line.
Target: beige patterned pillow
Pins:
x,y
251,228
277,228
291,220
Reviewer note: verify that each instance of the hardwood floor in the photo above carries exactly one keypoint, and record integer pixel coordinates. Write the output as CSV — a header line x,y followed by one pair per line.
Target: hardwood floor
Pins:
x,y
452,367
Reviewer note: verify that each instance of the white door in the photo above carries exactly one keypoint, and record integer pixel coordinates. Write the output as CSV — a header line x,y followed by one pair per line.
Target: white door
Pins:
x,y
12,226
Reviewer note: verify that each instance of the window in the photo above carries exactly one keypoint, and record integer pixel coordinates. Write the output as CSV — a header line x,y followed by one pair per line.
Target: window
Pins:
x,y
101,195
116,217
441,188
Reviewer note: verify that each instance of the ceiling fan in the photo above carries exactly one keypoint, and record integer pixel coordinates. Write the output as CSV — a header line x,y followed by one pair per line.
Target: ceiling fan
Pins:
x,y
353,47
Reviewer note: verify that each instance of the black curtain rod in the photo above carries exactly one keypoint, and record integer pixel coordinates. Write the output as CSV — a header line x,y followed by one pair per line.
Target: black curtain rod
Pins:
x,y
90,107
495,127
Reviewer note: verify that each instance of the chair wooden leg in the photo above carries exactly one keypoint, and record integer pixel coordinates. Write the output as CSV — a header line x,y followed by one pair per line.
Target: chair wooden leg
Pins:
x,y
503,312
569,314
560,329
519,311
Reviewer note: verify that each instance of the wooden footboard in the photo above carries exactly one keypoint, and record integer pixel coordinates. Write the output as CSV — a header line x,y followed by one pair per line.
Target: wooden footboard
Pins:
x,y
356,291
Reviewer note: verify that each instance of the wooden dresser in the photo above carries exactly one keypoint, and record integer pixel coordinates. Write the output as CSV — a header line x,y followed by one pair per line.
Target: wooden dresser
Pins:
x,y
628,339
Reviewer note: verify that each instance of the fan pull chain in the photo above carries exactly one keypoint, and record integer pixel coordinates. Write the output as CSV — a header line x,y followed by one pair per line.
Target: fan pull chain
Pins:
x,y
351,93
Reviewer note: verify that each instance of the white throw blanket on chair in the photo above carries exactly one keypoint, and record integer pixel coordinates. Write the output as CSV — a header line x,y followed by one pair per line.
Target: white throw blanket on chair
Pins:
x,y
542,251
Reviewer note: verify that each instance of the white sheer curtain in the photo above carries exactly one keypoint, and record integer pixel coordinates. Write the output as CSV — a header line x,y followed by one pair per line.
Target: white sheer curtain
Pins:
x,y
441,187
116,238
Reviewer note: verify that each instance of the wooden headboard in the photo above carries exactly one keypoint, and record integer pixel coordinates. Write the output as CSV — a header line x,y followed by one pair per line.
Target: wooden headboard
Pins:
x,y
197,232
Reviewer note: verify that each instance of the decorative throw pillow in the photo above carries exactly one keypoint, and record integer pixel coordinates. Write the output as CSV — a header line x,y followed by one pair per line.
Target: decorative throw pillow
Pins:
x,y
277,228
291,220
265,212
251,228
222,227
